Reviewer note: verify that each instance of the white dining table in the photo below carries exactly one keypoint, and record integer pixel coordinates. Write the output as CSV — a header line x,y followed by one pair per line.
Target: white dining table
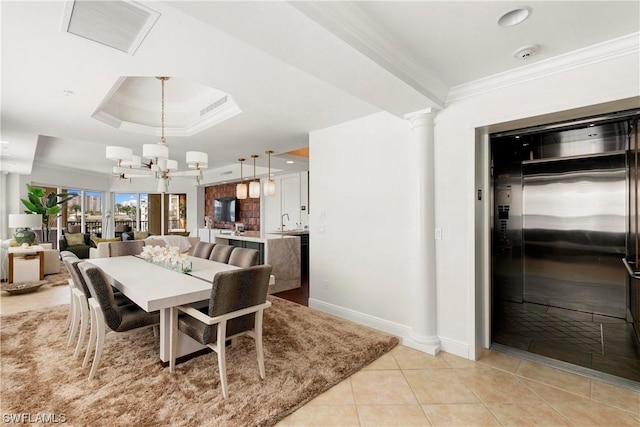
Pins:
x,y
153,287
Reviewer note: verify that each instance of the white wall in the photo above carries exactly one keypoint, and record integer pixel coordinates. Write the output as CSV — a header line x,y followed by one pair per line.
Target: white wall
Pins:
x,y
359,257
360,222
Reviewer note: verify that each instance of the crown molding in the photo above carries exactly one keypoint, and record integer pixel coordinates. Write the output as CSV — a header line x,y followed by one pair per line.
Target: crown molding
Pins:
x,y
354,27
601,52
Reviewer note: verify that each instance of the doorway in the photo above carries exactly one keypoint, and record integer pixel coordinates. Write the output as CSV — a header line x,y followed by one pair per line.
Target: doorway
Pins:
x,y
559,231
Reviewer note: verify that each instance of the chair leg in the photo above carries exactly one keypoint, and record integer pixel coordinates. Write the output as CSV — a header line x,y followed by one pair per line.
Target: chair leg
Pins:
x,y
75,322
257,336
220,349
81,300
101,332
70,315
93,333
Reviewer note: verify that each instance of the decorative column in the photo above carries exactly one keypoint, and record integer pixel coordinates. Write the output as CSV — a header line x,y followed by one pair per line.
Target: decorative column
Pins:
x,y
424,334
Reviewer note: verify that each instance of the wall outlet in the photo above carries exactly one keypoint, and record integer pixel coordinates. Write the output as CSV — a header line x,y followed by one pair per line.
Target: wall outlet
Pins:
x,y
438,233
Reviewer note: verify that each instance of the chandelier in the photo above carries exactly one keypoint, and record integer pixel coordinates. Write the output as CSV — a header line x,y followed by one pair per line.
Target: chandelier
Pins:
x,y
160,166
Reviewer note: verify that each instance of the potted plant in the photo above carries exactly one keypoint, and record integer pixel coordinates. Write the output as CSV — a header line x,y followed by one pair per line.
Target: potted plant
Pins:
x,y
46,205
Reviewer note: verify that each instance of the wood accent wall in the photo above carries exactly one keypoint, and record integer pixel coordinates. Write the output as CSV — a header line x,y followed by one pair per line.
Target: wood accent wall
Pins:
x,y
249,209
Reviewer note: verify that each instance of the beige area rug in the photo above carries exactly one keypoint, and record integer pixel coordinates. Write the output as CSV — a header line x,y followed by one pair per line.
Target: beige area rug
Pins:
x,y
306,353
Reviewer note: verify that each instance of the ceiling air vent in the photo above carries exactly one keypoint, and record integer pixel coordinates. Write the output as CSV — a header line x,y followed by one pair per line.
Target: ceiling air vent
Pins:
x,y
122,25
215,105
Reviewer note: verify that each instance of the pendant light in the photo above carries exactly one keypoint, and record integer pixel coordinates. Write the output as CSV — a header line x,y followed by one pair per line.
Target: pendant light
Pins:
x,y
269,184
241,189
254,187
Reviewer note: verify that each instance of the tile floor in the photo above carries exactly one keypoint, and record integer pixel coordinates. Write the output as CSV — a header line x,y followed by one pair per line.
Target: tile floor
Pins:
x,y
408,388
601,343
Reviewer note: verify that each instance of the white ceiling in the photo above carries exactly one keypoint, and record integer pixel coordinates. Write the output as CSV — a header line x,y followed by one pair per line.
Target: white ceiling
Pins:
x,y
291,67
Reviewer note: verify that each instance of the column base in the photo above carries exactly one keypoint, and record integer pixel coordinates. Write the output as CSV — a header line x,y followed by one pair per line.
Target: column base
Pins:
x,y
429,345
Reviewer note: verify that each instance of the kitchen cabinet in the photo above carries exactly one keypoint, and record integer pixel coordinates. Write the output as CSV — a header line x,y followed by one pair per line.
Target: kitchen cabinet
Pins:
x,y
291,198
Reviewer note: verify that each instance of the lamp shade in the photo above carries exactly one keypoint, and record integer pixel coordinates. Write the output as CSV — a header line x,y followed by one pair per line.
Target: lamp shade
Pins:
x,y
155,151
254,189
116,153
197,159
241,191
135,162
172,165
25,220
269,187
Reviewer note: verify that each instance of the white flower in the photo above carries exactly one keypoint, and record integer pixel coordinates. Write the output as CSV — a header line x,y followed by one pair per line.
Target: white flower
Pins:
x,y
167,256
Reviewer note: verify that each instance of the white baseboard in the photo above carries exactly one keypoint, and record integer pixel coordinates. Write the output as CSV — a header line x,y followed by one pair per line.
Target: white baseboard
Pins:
x,y
401,331
383,325
454,347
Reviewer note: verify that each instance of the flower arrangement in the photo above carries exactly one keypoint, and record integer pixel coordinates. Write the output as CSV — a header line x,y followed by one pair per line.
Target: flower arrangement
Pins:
x,y
169,257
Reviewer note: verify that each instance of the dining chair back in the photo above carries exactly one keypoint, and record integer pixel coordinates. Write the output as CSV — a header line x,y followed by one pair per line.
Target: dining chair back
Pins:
x,y
244,257
106,312
127,247
203,250
221,253
238,300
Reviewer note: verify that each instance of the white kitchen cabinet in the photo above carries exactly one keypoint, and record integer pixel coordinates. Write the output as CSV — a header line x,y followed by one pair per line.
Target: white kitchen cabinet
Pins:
x,y
290,198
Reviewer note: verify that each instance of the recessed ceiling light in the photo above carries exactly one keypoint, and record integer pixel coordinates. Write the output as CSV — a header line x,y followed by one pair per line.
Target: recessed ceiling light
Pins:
x,y
514,17
68,92
290,161
3,142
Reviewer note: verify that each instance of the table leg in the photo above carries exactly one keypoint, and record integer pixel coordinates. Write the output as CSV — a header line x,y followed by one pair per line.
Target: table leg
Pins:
x,y
185,345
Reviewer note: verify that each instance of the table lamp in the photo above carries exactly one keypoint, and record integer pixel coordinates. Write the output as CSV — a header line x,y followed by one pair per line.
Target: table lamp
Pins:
x,y
23,223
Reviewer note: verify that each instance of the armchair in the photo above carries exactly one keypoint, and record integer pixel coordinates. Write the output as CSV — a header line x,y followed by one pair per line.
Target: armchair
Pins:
x,y
238,300
81,250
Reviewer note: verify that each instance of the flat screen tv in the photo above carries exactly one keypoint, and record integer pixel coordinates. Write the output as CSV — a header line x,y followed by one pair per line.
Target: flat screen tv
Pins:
x,y
225,209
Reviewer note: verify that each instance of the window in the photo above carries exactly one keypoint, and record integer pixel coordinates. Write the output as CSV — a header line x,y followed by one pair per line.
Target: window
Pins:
x,y
84,209
177,212
131,209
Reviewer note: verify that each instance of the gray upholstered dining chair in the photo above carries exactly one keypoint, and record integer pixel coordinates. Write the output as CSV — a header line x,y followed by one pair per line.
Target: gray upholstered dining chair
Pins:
x,y
79,305
106,313
244,257
238,300
128,247
203,250
221,253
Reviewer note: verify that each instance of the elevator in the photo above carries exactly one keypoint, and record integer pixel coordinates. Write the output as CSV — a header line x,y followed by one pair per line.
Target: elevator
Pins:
x,y
560,231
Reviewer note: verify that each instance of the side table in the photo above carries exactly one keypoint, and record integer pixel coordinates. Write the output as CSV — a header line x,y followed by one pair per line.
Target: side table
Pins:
x,y
26,265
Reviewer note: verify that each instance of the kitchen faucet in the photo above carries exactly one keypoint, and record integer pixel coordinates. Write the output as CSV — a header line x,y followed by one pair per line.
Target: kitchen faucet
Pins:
x,y
282,220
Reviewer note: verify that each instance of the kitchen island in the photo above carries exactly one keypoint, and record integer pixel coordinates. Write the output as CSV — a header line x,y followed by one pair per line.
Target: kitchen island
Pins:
x,y
281,251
